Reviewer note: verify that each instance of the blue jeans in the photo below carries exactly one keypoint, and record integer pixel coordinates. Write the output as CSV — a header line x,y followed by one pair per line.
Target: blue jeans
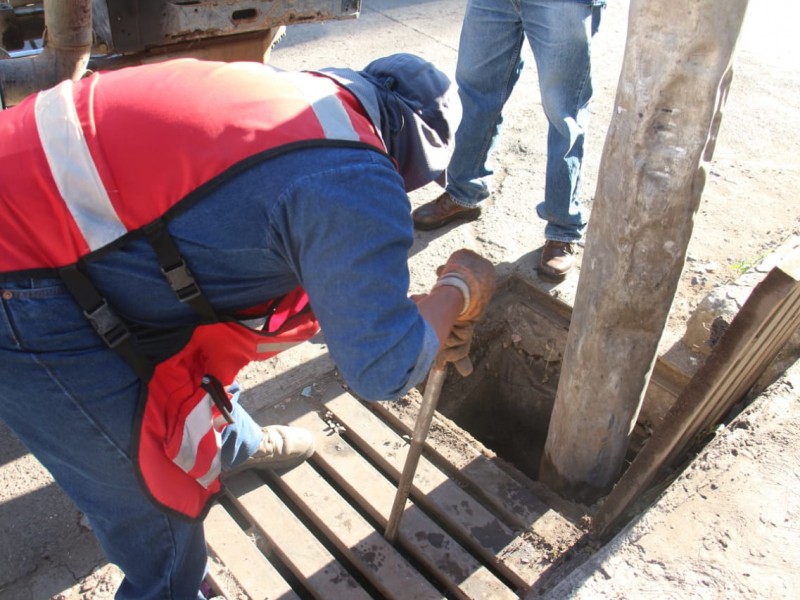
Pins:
x,y
72,402
489,65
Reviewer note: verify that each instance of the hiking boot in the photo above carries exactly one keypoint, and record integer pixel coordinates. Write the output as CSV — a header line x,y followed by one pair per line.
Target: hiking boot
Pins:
x,y
442,211
558,259
281,447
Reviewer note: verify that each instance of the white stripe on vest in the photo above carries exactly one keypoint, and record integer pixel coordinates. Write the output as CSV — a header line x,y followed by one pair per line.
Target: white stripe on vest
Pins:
x,y
216,465
197,425
76,175
329,110
73,169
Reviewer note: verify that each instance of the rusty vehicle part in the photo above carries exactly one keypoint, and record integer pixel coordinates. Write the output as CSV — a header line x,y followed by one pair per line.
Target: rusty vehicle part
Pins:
x,y
131,26
47,41
67,42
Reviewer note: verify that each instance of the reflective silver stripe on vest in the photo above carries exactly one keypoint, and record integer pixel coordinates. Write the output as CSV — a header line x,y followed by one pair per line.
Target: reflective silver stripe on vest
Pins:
x,y
216,465
275,346
329,110
195,428
72,167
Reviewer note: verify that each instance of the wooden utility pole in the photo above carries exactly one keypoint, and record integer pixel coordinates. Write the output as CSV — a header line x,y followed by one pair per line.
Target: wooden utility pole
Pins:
x,y
675,76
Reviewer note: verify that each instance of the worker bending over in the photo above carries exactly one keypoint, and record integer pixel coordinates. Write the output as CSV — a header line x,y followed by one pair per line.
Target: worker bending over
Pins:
x,y
164,225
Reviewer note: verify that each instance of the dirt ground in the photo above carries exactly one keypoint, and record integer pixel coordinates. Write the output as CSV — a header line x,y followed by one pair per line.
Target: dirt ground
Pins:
x,y
748,209
748,206
727,528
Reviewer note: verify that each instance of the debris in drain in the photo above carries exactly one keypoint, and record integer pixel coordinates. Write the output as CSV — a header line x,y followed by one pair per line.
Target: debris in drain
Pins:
x,y
507,403
310,390
550,347
333,425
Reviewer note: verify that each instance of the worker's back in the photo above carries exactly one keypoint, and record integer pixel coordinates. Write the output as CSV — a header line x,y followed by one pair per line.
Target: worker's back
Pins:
x,y
96,159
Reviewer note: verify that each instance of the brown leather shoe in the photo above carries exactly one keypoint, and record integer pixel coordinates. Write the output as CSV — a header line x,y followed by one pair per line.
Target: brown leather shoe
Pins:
x,y
558,259
442,211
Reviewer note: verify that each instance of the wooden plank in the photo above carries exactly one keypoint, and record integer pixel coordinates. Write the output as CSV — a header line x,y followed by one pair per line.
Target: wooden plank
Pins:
x,y
222,581
763,325
251,570
458,455
428,543
375,557
292,542
285,374
515,556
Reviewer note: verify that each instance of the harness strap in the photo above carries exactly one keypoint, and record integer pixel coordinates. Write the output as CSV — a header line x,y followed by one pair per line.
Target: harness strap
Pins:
x,y
176,271
105,321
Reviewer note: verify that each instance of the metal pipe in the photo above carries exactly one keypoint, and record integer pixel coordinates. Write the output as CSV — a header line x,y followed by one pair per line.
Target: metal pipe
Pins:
x,y
67,46
433,389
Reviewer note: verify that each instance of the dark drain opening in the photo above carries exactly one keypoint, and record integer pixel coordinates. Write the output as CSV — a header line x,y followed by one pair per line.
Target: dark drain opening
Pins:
x,y
508,410
517,351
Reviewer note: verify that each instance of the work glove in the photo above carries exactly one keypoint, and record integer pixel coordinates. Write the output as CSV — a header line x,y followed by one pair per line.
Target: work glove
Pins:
x,y
456,348
475,277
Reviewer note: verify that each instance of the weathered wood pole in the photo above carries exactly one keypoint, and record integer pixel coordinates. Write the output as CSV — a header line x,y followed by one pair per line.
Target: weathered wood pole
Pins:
x,y
675,76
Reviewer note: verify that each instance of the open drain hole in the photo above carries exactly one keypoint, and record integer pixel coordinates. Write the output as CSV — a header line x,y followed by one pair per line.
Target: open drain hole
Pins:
x,y
507,401
517,353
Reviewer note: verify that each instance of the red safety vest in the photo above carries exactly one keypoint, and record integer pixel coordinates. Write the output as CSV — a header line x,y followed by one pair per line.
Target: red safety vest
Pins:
x,y
118,154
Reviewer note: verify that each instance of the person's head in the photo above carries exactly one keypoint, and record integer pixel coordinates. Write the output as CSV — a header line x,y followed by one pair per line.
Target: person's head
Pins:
x,y
415,108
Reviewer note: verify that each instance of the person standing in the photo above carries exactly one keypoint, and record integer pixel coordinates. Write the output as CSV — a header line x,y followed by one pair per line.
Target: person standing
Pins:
x,y
166,224
489,64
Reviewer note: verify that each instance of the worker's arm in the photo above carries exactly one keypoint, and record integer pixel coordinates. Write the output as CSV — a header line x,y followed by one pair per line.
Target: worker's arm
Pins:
x,y
473,277
347,231
440,309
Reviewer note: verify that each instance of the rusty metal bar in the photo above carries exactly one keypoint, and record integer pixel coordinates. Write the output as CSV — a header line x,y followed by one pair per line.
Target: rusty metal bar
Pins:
x,y
67,45
433,389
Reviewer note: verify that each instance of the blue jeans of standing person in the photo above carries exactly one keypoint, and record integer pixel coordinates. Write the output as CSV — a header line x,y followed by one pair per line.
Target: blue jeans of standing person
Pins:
x,y
489,65
81,397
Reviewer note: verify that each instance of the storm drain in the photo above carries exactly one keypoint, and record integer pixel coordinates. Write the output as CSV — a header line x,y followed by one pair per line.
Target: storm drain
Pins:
x,y
517,353
477,524
470,528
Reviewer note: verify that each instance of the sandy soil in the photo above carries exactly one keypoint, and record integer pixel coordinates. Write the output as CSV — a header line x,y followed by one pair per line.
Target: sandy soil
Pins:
x,y
727,528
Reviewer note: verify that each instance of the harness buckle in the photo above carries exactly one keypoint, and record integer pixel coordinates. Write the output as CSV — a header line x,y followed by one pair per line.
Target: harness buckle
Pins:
x,y
107,324
181,281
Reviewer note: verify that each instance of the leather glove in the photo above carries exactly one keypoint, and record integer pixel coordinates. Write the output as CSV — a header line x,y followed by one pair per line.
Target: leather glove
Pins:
x,y
456,348
467,267
475,277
